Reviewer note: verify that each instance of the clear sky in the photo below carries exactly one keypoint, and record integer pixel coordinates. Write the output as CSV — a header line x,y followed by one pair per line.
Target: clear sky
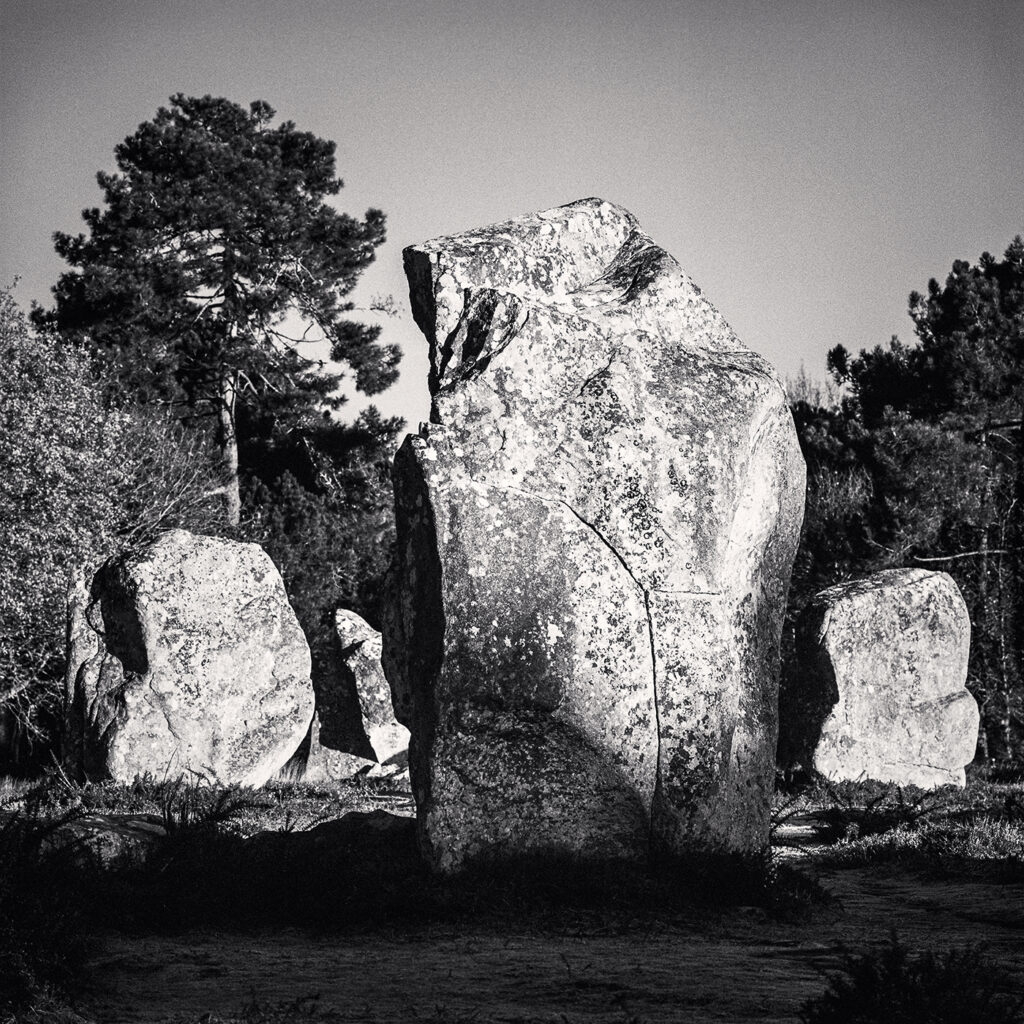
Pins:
x,y
808,163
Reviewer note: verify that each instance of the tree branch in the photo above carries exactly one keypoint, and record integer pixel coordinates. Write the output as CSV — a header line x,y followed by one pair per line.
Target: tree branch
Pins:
x,y
966,554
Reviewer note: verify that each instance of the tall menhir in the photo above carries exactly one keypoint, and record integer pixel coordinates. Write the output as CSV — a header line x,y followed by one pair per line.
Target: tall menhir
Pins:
x,y
595,537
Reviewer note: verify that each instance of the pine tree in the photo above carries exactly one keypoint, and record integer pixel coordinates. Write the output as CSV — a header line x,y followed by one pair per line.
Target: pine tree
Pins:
x,y
215,258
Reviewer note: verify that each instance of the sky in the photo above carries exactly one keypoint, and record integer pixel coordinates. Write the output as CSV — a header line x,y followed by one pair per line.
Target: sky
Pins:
x,y
808,163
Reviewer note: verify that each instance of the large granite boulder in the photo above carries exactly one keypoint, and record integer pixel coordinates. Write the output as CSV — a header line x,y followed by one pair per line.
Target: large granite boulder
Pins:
x,y
879,688
595,536
185,656
354,728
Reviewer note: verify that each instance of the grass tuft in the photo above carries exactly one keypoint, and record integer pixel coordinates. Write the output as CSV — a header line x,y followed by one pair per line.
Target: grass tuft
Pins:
x,y
892,985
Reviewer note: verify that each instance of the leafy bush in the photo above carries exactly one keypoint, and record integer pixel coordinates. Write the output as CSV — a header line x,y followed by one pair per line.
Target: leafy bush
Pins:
x,y
893,986
77,481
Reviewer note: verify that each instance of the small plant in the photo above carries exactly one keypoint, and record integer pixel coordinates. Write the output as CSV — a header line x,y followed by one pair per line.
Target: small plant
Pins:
x,y
854,810
891,985
190,804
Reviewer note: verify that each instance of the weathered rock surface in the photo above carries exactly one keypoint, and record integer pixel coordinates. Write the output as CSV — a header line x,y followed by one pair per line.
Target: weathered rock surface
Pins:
x,y
109,839
879,692
185,656
354,727
595,536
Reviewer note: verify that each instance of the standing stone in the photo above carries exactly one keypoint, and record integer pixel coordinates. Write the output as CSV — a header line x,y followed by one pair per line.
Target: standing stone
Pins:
x,y
185,656
361,654
354,728
879,692
595,536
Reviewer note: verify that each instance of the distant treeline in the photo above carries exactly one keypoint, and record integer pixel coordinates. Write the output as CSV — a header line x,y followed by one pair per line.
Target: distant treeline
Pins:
x,y
915,457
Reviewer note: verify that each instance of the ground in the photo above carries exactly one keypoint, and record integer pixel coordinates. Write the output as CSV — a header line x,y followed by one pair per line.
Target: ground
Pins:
x,y
731,964
744,969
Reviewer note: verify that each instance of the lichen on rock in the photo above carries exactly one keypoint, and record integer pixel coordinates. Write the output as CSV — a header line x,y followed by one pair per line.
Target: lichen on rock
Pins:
x,y
185,657
879,689
595,535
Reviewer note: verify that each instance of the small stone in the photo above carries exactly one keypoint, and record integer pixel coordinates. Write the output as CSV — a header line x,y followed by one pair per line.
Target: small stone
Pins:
x,y
879,692
185,657
354,730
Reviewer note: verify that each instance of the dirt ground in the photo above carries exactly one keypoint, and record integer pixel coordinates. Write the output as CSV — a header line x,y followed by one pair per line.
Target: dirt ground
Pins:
x,y
739,968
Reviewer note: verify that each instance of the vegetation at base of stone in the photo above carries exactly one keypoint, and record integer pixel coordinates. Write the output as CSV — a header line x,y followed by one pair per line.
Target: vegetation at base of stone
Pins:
x,y
972,833
231,858
921,463
278,806
852,810
188,806
894,985
81,478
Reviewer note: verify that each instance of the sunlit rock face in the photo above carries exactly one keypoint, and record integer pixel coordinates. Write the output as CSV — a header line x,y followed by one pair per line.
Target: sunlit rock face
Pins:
x,y
185,657
354,730
595,536
880,689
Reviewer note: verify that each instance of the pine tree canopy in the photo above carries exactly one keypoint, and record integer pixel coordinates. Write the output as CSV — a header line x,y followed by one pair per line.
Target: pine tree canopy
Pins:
x,y
215,257
970,352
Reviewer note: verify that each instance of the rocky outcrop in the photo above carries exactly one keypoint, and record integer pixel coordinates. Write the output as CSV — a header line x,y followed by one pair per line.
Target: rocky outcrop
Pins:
x,y
595,535
354,729
185,657
879,688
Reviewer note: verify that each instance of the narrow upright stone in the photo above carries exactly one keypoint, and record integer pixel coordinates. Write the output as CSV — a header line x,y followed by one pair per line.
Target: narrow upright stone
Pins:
x,y
595,536
354,728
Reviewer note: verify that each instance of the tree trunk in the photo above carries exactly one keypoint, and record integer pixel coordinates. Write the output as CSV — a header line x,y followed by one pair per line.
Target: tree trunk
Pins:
x,y
1016,533
983,661
227,441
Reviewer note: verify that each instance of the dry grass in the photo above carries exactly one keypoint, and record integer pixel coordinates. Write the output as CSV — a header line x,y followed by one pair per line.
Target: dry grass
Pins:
x,y
950,830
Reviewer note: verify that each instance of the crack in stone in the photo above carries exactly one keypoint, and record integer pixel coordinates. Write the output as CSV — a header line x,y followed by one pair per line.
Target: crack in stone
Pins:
x,y
650,626
686,593
605,370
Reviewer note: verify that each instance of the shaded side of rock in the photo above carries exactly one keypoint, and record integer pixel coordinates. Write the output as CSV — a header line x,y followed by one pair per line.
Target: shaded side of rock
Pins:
x,y
109,839
184,656
594,539
880,693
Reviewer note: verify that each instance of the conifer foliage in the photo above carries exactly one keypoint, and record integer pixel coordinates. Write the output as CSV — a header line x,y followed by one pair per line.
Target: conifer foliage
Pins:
x,y
922,464
215,259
